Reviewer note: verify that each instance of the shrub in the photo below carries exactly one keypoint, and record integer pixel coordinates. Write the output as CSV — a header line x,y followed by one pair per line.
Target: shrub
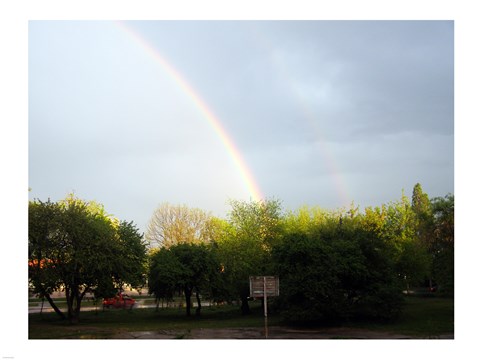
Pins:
x,y
336,273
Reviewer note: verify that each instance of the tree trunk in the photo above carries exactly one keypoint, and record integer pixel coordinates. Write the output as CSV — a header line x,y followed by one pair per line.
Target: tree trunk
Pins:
x,y
54,306
407,285
245,307
244,294
73,304
188,295
199,305
78,302
69,302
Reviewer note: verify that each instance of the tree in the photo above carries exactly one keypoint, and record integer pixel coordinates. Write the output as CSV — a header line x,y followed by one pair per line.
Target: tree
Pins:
x,y
43,225
410,253
188,267
442,246
77,247
422,209
304,220
244,244
259,220
420,201
132,258
170,225
332,267
164,274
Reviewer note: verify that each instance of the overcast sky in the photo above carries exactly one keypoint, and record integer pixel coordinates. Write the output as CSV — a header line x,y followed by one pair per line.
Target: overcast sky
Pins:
x,y
322,112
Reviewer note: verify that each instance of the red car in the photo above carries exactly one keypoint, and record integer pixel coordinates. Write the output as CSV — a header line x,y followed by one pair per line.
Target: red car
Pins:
x,y
119,301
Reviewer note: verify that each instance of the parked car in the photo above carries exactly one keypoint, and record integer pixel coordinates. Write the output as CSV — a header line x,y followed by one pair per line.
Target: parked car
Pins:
x,y
119,301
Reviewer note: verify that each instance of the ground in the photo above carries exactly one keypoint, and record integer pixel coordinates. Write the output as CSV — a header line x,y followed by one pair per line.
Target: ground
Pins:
x,y
274,332
422,318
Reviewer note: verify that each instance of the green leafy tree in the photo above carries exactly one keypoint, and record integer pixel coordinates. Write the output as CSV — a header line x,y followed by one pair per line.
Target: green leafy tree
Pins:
x,y
164,274
410,253
220,232
259,220
304,220
191,268
132,258
335,269
77,247
442,246
423,216
244,245
43,245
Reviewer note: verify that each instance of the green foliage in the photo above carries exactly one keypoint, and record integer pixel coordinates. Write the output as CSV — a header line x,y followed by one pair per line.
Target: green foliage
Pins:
x,y
43,241
244,244
334,271
398,225
333,265
164,272
196,265
77,247
183,267
442,245
258,220
423,221
304,220
420,202
133,255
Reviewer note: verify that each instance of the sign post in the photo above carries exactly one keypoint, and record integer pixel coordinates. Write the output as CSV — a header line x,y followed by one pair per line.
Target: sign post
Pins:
x,y
264,286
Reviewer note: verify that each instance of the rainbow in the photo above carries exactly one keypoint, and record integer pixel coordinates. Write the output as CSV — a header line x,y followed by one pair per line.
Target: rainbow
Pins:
x,y
227,141
330,163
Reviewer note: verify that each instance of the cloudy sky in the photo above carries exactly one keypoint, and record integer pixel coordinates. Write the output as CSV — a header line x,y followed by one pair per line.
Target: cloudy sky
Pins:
x,y
133,114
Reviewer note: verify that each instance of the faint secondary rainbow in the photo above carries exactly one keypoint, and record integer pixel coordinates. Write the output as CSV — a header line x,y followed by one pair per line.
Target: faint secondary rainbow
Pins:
x,y
237,158
328,159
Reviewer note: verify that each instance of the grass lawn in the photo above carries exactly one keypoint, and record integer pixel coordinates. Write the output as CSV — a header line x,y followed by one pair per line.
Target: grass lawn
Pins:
x,y
422,317
103,324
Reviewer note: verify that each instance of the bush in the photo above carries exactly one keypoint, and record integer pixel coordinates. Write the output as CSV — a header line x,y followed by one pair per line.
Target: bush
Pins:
x,y
336,273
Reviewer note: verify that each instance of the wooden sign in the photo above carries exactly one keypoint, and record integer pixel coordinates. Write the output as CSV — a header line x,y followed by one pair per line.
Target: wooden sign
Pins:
x,y
260,283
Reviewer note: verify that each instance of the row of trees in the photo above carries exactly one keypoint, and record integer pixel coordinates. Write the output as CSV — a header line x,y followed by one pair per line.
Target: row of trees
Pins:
x,y
237,247
331,264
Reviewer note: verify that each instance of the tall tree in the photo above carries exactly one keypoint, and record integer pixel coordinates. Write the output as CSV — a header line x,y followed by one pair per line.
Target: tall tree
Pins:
x,y
177,224
442,246
423,224
422,209
245,244
420,201
77,247
409,253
